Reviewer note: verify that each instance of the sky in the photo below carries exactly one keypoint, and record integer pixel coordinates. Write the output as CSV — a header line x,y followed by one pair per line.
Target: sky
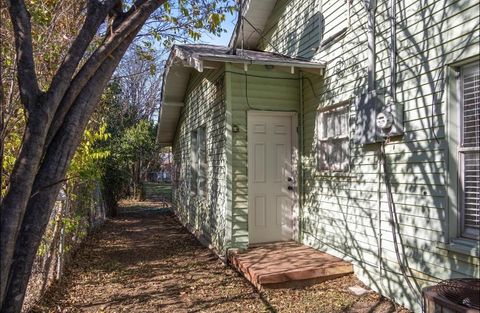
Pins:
x,y
229,25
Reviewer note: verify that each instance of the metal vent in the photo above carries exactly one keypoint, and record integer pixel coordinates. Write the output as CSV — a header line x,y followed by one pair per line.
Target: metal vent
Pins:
x,y
464,292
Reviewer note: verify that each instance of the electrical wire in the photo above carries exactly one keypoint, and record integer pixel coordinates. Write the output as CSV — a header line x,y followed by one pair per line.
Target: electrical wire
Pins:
x,y
395,224
269,42
244,19
391,204
246,91
310,83
261,35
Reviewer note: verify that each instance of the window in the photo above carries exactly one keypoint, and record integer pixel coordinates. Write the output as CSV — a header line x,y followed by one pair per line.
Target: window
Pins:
x,y
468,150
333,139
198,170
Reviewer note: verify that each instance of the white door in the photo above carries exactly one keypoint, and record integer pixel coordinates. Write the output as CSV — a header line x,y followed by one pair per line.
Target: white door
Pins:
x,y
271,189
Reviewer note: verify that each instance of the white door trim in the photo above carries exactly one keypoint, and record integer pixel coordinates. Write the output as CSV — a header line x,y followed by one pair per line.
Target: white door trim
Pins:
x,y
295,164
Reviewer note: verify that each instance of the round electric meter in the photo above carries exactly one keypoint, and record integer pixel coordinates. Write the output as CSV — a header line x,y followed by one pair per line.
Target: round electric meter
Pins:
x,y
384,120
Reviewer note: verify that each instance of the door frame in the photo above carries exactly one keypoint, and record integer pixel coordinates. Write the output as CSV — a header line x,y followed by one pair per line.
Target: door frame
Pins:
x,y
295,166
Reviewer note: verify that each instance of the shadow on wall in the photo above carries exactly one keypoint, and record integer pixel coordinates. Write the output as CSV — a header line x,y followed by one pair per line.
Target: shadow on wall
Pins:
x,y
301,42
349,214
309,38
312,36
203,213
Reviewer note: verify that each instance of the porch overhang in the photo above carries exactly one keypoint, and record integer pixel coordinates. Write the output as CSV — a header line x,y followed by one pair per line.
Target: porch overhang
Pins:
x,y
184,59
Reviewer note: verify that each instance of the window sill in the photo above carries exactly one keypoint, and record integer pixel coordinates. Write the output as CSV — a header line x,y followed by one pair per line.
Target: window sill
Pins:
x,y
464,246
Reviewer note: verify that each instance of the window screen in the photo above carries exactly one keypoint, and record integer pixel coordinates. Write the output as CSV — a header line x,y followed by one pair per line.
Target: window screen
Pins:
x,y
469,150
194,162
333,139
198,153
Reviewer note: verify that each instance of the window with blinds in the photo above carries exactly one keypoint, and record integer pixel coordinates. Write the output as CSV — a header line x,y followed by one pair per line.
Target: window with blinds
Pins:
x,y
333,139
469,150
198,165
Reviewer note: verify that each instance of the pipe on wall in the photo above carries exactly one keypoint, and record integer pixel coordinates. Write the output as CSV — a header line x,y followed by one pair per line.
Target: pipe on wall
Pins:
x,y
371,7
300,161
393,51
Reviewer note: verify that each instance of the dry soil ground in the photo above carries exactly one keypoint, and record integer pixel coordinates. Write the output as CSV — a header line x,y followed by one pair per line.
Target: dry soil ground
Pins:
x,y
145,261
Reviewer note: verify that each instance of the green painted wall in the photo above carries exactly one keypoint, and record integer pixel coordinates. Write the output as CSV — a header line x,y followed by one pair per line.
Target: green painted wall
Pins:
x,y
341,214
204,106
267,89
222,217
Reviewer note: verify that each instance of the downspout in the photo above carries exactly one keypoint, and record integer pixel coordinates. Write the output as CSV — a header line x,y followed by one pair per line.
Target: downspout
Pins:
x,y
300,163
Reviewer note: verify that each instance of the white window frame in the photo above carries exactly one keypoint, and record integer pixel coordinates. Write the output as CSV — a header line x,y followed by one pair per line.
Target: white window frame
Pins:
x,y
455,168
198,161
461,152
322,156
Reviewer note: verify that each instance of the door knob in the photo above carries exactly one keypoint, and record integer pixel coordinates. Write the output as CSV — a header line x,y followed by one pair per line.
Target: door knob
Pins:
x,y
290,188
289,179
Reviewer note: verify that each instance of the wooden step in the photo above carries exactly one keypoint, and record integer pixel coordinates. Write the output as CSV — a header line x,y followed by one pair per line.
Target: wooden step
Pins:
x,y
287,264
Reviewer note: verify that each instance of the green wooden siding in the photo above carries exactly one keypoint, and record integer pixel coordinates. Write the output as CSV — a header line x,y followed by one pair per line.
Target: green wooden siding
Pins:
x,y
204,106
341,214
268,90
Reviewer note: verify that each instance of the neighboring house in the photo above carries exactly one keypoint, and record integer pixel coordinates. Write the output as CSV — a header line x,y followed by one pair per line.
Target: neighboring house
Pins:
x,y
275,137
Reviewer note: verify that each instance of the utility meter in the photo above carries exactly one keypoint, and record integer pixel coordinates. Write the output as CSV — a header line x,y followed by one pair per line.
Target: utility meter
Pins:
x,y
377,118
384,120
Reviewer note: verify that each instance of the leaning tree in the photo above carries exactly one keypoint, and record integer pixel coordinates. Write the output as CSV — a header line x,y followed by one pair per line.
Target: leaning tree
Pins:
x,y
57,115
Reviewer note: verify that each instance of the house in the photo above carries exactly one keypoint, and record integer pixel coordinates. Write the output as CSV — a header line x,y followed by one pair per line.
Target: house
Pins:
x,y
352,127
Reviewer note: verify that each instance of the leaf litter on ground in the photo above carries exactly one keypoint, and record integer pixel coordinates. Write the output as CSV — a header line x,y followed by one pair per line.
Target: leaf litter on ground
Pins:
x,y
145,261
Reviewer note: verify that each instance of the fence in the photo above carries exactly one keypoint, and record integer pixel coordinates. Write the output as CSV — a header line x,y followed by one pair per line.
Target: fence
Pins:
x,y
72,218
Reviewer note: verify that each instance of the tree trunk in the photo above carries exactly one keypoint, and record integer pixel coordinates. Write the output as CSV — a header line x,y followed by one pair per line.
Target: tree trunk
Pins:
x,y
39,108
20,186
2,144
137,180
46,186
56,120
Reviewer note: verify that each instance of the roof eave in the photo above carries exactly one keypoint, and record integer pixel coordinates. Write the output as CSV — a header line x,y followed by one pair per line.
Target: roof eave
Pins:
x,y
189,61
167,137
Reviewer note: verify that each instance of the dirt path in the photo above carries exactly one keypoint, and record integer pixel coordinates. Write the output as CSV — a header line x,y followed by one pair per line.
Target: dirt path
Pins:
x,y
144,261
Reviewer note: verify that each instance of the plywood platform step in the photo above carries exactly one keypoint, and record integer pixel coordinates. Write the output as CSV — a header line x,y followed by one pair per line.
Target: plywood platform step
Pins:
x,y
287,264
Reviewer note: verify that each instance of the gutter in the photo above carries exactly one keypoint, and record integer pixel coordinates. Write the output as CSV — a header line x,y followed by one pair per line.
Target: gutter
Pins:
x,y
257,62
196,61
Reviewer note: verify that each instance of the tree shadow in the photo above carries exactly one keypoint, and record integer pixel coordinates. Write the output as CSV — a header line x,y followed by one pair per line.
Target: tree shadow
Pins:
x,y
348,214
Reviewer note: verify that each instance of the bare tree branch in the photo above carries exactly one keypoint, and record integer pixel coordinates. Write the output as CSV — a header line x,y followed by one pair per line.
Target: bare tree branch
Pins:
x,y
95,16
131,21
